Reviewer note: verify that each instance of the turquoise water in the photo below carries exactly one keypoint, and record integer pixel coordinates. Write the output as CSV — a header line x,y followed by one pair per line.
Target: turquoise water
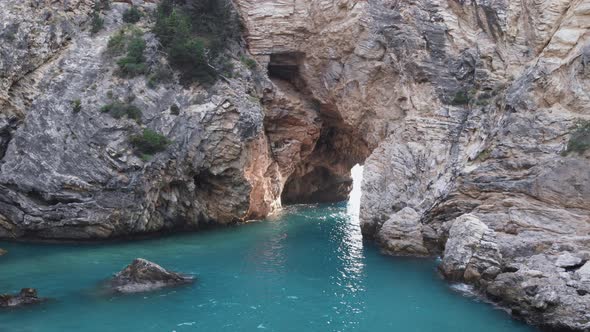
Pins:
x,y
305,270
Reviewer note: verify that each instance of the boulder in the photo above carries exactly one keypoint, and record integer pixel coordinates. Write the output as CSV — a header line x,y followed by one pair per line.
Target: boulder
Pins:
x,y
471,252
401,234
567,260
142,276
26,296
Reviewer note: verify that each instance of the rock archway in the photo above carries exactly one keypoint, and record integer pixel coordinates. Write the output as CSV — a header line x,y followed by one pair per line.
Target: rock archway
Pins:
x,y
313,145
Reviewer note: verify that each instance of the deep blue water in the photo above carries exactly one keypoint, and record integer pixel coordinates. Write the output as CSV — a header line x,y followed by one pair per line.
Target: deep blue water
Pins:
x,y
305,270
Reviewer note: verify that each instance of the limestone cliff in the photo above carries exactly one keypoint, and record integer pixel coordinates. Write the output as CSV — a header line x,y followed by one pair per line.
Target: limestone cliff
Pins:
x,y
470,116
69,170
467,111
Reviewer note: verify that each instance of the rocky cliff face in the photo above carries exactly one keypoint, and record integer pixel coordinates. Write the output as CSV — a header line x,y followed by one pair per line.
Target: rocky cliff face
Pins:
x,y
467,111
468,116
70,171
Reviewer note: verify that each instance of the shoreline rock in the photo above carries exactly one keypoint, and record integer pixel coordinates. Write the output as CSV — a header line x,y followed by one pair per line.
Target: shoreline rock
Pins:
x,y
26,296
548,290
471,252
144,276
401,234
463,108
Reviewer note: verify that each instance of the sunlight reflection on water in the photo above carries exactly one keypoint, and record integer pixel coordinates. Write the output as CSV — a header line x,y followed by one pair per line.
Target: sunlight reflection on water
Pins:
x,y
354,200
305,269
350,252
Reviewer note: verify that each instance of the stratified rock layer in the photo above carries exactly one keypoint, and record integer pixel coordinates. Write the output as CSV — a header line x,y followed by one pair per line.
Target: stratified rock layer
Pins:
x,y
466,108
471,252
460,110
74,174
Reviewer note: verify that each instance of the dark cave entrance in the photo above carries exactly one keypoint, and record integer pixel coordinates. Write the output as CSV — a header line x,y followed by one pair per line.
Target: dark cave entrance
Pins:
x,y
325,174
285,67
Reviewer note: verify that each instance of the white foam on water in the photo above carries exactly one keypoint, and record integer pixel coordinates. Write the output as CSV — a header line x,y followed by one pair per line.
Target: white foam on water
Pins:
x,y
464,289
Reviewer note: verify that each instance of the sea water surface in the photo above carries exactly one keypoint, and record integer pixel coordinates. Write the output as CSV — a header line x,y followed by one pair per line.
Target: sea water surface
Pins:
x,y
306,269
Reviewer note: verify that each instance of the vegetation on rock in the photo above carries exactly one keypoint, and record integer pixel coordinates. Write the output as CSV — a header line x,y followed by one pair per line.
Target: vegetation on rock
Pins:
x,y
195,50
580,138
249,62
174,109
76,106
103,5
131,15
461,98
97,22
159,75
118,110
133,63
117,43
149,142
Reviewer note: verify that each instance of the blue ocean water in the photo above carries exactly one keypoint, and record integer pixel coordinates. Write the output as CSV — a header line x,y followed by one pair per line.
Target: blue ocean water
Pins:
x,y
306,269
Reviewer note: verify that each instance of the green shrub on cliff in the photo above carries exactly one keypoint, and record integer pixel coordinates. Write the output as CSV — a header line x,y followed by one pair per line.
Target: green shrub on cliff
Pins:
x,y
133,63
97,22
174,109
117,43
160,74
131,15
76,106
579,140
461,98
186,52
149,142
249,62
118,110
102,5
195,50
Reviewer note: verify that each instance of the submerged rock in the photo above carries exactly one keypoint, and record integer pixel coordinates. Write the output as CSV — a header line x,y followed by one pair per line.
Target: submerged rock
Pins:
x,y
3,252
143,276
26,296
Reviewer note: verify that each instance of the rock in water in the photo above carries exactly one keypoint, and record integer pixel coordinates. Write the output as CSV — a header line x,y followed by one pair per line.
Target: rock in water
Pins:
x,y
25,297
143,275
3,252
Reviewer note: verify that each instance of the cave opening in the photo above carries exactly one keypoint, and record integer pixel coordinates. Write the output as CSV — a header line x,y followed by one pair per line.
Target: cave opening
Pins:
x,y
324,174
286,67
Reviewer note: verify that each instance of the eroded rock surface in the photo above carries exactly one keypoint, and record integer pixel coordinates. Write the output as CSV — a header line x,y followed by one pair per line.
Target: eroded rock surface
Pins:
x,y
466,109
74,174
143,276
401,234
462,112
26,296
471,251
